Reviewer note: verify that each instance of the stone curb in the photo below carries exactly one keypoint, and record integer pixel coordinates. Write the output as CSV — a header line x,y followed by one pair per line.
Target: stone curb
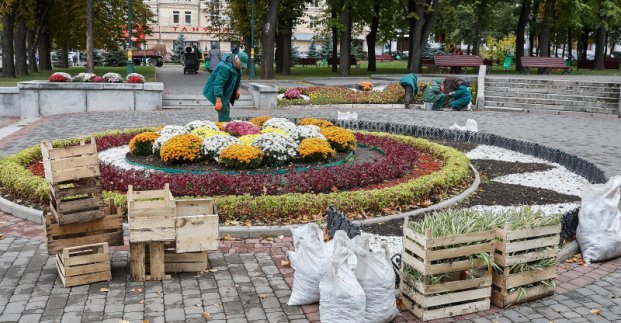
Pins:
x,y
20,211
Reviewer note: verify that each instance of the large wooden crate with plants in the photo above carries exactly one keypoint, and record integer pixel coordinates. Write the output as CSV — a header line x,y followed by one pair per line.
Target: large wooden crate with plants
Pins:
x,y
196,225
446,265
84,264
151,215
108,229
526,259
72,174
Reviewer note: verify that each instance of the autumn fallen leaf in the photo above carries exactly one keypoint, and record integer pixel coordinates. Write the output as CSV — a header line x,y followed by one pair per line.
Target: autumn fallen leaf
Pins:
x,y
285,263
206,316
103,289
145,321
137,290
596,312
198,305
141,301
262,296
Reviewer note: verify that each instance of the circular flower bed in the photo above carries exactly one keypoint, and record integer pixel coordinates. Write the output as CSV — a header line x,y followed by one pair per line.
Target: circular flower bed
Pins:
x,y
366,189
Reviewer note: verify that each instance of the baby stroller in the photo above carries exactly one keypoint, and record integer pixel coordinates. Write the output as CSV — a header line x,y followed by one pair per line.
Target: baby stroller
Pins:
x,y
190,61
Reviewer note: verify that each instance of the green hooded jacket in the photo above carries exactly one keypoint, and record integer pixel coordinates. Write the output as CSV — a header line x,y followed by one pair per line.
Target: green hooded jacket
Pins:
x,y
223,83
432,92
411,80
461,97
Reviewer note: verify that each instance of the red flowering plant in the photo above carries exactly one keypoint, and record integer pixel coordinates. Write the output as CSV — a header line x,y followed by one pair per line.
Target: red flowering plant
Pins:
x,y
97,79
135,78
241,128
292,94
60,77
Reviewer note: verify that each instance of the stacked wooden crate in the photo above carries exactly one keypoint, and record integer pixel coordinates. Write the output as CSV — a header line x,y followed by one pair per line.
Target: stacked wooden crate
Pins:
x,y
525,251
76,214
168,236
84,264
446,276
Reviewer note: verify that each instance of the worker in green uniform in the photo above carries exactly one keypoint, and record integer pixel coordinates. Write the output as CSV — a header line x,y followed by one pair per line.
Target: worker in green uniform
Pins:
x,y
461,97
222,87
433,95
409,83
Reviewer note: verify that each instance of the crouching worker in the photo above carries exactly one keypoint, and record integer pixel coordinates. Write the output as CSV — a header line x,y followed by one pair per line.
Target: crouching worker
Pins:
x,y
433,97
409,84
222,87
461,97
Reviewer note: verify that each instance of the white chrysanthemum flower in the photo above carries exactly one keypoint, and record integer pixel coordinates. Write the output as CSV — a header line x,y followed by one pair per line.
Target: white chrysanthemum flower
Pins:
x,y
303,132
200,124
160,141
175,130
280,123
278,149
213,146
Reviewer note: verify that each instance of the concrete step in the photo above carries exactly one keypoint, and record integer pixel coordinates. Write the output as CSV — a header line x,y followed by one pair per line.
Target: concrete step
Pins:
x,y
584,97
597,92
575,108
169,107
558,102
553,87
554,82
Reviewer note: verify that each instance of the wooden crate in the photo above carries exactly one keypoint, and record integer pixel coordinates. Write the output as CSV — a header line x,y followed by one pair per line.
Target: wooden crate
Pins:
x,y
107,229
176,262
524,246
196,226
84,264
151,215
465,286
81,201
70,163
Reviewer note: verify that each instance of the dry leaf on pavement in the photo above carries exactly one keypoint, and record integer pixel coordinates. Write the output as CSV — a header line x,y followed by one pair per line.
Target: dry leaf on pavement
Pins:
x,y
285,263
103,289
206,316
596,312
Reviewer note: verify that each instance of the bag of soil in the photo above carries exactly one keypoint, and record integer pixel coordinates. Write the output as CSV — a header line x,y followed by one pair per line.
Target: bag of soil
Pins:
x,y
599,221
309,261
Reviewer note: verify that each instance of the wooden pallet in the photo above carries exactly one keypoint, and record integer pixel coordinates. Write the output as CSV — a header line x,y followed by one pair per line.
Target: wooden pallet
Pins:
x,y
107,229
70,163
465,286
151,215
524,246
196,226
84,264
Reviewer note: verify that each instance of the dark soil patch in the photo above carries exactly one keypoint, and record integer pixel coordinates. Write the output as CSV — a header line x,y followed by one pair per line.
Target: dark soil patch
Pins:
x,y
461,146
497,168
361,155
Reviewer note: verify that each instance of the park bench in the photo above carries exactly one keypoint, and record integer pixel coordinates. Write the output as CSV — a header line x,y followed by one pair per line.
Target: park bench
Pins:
x,y
383,58
308,61
547,63
457,61
353,61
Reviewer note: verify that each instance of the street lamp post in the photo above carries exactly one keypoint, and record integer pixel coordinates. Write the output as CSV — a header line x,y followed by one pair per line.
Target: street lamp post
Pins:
x,y
251,70
130,61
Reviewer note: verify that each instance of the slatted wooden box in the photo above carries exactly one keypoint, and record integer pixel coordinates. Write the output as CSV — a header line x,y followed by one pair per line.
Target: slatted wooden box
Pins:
x,y
84,264
453,279
154,260
108,229
196,226
73,177
151,215
523,247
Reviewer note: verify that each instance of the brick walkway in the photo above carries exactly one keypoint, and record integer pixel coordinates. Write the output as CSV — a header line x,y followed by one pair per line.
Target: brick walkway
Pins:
x,y
252,284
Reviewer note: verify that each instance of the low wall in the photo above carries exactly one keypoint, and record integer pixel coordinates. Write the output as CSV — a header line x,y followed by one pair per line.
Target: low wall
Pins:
x,y
9,102
33,99
265,96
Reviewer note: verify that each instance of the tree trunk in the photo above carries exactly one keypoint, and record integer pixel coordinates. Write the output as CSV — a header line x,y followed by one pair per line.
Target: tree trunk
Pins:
x,y
546,28
21,55
345,57
64,61
569,44
8,63
90,58
335,43
519,32
477,33
420,29
279,51
372,37
32,51
286,48
267,40
44,51
612,42
600,43
583,44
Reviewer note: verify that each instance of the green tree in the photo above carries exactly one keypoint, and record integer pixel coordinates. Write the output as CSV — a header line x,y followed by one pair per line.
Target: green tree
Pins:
x,y
312,49
179,47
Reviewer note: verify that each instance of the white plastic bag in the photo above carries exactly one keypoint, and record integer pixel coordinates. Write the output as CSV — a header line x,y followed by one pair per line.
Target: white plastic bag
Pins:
x,y
309,261
599,225
471,125
342,297
377,278
347,115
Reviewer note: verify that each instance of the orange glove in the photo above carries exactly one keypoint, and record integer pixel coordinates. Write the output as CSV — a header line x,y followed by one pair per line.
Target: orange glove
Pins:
x,y
237,95
218,104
